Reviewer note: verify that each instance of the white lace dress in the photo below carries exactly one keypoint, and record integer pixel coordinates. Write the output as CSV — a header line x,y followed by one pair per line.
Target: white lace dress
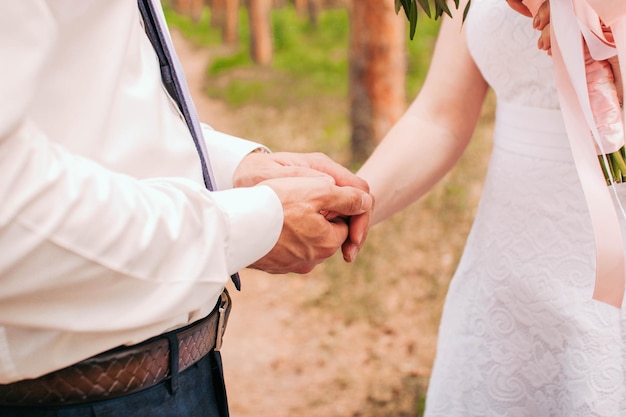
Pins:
x,y
520,334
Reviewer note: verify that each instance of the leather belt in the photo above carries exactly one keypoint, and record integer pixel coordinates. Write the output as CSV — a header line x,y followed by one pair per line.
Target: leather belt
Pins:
x,y
122,370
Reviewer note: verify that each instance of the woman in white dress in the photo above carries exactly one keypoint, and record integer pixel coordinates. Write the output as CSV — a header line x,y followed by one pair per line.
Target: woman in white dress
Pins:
x,y
520,334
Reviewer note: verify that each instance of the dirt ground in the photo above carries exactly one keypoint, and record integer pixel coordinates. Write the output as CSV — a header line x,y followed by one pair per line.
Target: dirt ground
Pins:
x,y
285,359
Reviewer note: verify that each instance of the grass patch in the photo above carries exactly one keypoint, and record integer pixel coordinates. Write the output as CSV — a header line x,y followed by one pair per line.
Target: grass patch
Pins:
x,y
199,32
240,59
309,60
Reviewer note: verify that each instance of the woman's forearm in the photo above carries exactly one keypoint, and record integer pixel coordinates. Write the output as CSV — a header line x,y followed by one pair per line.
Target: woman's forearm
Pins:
x,y
412,158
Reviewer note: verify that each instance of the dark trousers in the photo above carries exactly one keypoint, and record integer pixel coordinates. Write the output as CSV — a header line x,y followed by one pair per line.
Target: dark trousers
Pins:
x,y
196,392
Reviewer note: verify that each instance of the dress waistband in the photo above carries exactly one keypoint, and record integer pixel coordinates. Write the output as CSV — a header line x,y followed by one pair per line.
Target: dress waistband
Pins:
x,y
531,131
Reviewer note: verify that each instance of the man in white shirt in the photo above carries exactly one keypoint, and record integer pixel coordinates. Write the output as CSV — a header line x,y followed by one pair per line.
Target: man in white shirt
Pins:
x,y
107,233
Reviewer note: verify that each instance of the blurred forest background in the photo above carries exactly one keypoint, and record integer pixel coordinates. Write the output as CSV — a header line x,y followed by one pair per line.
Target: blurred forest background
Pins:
x,y
333,76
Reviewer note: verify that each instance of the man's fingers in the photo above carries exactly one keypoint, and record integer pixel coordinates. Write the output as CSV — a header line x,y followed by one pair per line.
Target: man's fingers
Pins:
x,y
300,171
344,201
359,226
338,233
304,164
342,175
316,214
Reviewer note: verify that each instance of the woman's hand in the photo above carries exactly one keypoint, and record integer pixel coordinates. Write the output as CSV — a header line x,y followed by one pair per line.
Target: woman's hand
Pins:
x,y
519,7
541,22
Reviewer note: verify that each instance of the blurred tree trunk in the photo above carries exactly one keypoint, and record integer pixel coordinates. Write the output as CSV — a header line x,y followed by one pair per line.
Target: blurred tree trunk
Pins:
x,y
300,6
377,71
190,8
218,13
261,39
230,30
311,8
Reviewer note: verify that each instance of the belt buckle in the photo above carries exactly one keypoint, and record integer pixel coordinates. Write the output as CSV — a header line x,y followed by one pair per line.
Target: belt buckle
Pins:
x,y
223,311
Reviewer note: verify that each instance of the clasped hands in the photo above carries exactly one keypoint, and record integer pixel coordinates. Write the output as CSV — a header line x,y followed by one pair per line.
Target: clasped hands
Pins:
x,y
325,206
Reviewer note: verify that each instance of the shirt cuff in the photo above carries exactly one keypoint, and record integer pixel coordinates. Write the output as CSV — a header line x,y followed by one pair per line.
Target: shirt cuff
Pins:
x,y
255,216
225,154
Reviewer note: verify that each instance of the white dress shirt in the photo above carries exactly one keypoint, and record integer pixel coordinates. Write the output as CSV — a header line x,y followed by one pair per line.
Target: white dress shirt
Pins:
x,y
107,235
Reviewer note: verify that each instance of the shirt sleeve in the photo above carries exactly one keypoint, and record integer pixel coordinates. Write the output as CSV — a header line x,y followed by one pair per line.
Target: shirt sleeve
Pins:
x,y
78,237
225,153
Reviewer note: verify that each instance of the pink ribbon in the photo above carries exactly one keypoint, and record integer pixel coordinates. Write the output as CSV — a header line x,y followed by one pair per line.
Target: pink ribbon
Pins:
x,y
610,11
570,21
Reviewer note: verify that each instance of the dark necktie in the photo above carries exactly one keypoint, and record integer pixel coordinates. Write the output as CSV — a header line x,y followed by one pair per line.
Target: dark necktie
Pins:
x,y
174,81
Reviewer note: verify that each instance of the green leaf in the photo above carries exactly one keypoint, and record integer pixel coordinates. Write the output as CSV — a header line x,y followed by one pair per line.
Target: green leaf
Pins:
x,y
445,8
406,4
425,6
619,162
413,18
411,10
605,171
466,11
438,9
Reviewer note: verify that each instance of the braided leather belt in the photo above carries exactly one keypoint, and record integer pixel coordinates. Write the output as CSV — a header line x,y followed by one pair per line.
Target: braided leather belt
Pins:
x,y
123,370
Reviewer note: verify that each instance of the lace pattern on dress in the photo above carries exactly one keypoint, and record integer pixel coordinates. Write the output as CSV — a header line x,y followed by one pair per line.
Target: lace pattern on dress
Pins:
x,y
520,334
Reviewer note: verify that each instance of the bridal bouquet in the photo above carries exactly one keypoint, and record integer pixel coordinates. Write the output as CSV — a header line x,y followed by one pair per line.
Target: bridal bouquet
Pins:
x,y
601,88
584,34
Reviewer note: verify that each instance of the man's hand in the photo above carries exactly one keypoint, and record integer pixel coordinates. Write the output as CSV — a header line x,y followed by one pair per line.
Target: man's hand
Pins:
x,y
258,167
314,224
